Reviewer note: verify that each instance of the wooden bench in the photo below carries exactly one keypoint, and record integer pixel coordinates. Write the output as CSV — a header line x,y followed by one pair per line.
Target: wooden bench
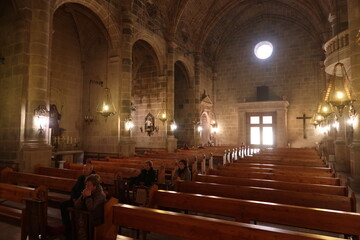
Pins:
x,y
304,199
276,171
291,186
60,185
106,178
278,177
282,167
197,227
246,211
124,172
33,216
283,162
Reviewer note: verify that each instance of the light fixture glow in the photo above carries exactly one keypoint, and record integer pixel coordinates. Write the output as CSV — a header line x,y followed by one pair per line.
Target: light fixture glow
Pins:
x,y
263,50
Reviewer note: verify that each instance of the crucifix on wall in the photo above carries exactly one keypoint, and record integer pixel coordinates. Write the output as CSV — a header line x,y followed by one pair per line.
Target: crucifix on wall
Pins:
x,y
304,117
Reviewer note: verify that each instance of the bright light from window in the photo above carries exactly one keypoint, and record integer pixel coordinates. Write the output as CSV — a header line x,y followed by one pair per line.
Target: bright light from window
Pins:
x,y
268,136
263,50
255,135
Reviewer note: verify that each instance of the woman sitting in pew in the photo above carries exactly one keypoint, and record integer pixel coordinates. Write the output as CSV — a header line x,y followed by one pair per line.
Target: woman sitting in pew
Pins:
x,y
75,194
92,198
147,176
182,172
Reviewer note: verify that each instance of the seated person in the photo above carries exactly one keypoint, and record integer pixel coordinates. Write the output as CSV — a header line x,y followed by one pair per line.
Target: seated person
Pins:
x,y
92,198
75,194
146,177
182,172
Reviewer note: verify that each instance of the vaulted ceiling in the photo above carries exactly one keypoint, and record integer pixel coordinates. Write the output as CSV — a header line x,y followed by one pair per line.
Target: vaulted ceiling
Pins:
x,y
196,22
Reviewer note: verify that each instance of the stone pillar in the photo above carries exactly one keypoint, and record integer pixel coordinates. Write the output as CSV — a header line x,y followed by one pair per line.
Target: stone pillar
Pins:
x,y
197,113
171,141
35,147
354,26
126,142
342,161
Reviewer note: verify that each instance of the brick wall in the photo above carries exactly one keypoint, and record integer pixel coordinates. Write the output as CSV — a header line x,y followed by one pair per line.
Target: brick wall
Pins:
x,y
292,71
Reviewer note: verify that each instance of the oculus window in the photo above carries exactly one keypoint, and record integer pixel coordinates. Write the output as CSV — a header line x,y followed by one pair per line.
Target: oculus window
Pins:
x,y
263,50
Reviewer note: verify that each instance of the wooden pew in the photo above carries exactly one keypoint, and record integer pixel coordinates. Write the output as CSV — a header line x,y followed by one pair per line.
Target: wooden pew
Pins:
x,y
33,217
316,200
63,185
282,167
246,211
276,171
291,186
278,177
124,172
282,162
197,227
106,178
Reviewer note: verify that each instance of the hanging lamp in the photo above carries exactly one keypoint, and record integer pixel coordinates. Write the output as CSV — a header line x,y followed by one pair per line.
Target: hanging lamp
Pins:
x,y
106,107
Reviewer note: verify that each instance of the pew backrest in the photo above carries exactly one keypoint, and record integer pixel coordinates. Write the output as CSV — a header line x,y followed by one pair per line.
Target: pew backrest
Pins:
x,y
197,227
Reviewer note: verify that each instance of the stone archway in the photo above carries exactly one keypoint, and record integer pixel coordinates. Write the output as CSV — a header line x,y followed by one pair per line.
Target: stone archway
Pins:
x,y
149,96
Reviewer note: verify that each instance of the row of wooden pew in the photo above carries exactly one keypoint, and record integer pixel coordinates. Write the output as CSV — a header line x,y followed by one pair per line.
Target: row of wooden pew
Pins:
x,y
275,188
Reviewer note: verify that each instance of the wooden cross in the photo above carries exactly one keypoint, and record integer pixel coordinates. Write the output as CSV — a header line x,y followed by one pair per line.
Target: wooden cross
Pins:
x,y
304,117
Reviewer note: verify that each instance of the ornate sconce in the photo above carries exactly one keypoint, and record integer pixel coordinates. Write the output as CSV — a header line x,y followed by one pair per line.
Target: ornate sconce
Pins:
x,y
41,117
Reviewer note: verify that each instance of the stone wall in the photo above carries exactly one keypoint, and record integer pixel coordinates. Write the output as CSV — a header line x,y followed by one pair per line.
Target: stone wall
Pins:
x,y
12,47
291,73
149,96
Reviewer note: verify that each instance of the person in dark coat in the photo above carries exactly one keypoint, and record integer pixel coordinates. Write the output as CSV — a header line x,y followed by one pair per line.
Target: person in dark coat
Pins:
x,y
92,199
75,194
147,175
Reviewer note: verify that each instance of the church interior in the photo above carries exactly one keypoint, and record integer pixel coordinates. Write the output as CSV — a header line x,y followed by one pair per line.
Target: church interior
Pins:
x,y
266,88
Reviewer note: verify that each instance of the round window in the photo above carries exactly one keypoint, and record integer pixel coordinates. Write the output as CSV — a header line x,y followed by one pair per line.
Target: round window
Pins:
x,y
263,50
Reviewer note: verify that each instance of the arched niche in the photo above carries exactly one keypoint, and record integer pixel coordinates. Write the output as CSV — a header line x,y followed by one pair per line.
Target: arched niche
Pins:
x,y
183,105
79,64
148,94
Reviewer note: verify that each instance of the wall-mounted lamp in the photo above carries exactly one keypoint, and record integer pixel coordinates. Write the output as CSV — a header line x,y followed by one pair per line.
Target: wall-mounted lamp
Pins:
x,y
199,128
173,125
41,115
129,124
214,127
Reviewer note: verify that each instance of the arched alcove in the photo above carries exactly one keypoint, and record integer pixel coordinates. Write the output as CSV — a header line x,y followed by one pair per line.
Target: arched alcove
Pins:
x,y
183,105
79,63
148,94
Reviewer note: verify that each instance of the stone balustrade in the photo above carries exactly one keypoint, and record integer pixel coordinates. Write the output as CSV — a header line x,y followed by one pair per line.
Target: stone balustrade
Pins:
x,y
337,43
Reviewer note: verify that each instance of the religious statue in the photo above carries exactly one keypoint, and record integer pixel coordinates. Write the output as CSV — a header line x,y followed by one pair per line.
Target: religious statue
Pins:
x,y
54,118
149,124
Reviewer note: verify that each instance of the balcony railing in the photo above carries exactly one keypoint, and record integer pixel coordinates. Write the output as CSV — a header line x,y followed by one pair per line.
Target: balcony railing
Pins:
x,y
337,43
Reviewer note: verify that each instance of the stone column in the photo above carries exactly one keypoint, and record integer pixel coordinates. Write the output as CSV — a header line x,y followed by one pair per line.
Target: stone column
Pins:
x,y
171,141
126,143
197,113
35,148
342,161
354,26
